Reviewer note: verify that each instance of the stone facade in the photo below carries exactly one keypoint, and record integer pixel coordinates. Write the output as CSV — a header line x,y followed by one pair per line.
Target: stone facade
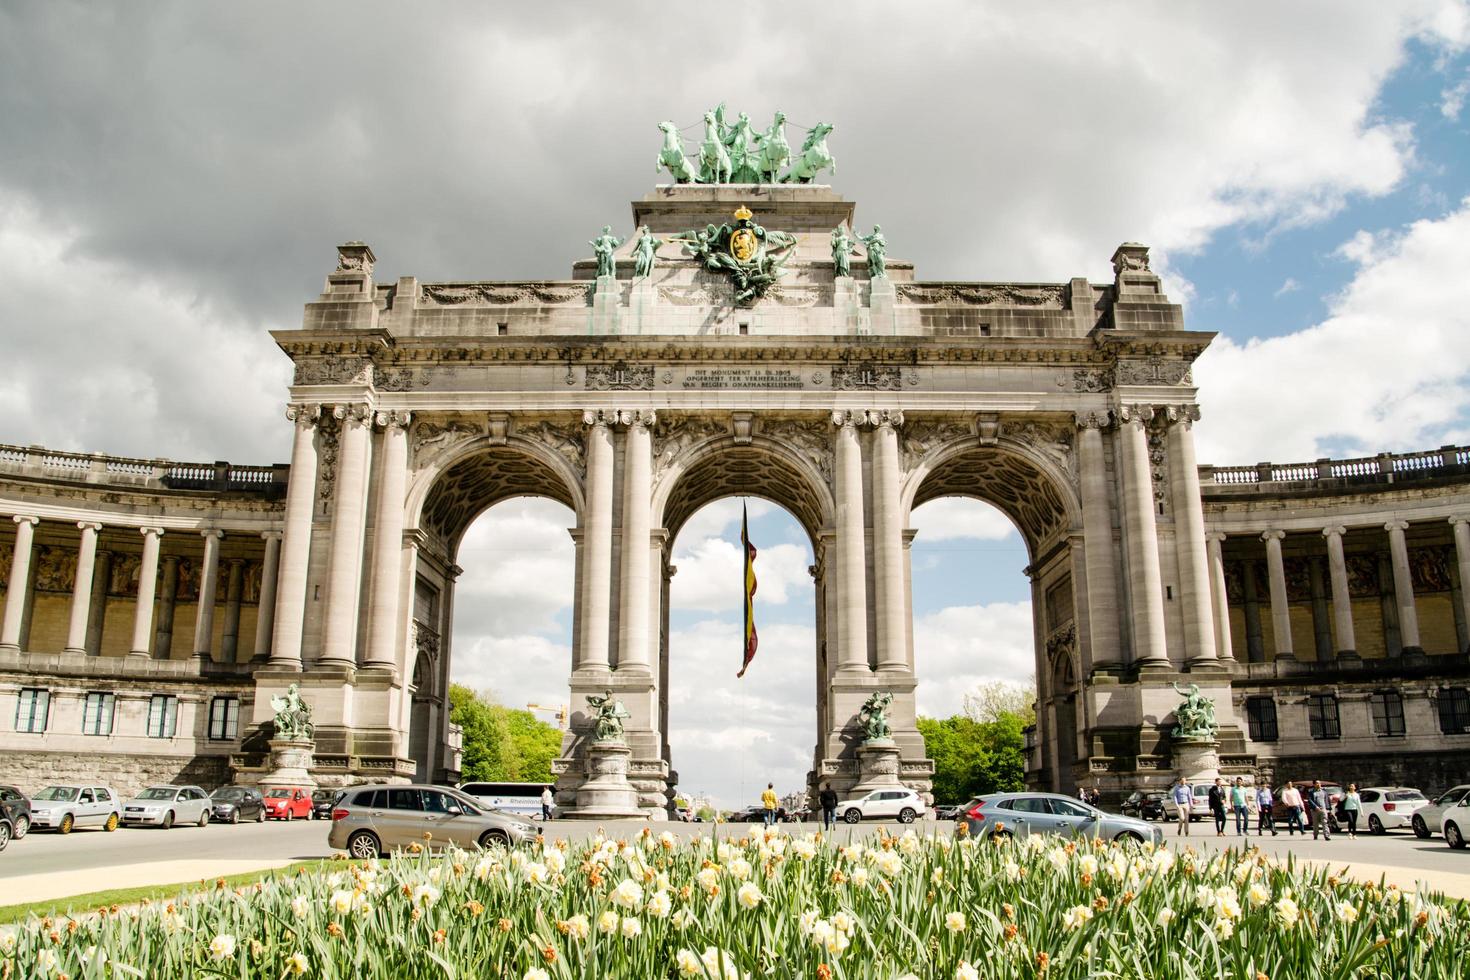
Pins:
x,y
848,400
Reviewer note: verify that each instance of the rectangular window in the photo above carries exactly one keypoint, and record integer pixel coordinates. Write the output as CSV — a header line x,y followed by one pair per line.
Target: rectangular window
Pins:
x,y
224,718
1454,710
97,714
163,714
1388,713
1322,716
31,709
1260,718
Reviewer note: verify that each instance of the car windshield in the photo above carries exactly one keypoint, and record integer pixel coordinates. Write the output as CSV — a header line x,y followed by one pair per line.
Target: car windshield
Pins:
x,y
278,794
157,793
323,795
228,793
61,794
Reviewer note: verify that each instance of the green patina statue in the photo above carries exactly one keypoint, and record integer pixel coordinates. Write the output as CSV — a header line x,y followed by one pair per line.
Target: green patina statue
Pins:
x,y
843,247
877,249
1196,716
743,154
645,253
775,152
714,159
751,256
672,156
813,158
873,716
610,715
293,716
603,247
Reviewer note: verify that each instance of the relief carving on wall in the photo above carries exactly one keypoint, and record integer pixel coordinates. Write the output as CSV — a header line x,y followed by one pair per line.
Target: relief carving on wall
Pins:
x,y
976,294
1362,573
334,369
430,436
328,429
1429,568
620,376
923,437
812,439
673,437
1087,379
501,293
1153,371
400,379
125,571
1298,579
56,568
867,376
1234,583
566,440
1158,463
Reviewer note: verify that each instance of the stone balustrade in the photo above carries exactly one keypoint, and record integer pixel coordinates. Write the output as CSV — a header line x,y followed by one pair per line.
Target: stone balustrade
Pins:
x,y
151,474
1383,468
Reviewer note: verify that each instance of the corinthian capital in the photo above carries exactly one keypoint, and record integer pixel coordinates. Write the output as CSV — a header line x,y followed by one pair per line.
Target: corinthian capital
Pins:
x,y
393,419
304,414
891,417
1186,414
352,413
842,418
645,417
1139,414
1094,420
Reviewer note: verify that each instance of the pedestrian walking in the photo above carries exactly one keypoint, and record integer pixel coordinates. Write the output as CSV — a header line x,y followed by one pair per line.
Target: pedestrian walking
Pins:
x,y
1183,800
1291,798
1265,812
1217,806
1238,797
769,801
828,800
1352,804
546,801
1317,801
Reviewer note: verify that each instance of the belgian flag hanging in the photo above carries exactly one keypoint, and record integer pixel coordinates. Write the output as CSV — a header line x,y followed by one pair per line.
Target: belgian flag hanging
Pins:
x,y
748,585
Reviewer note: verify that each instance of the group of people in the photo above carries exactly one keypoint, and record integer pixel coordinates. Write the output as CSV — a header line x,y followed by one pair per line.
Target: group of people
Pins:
x,y
1303,807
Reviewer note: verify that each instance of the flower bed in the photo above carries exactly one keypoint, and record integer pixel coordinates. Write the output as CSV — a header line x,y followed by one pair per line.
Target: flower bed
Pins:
x,y
769,905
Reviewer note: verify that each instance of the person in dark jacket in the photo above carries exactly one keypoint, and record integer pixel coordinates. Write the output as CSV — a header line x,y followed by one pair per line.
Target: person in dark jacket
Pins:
x,y
828,799
1217,806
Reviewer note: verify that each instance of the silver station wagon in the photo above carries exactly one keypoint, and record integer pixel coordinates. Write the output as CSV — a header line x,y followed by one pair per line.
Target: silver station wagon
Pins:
x,y
369,820
1051,813
164,806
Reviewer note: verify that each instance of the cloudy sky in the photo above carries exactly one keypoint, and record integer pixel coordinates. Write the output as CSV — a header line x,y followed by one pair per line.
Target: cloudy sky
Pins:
x,y
174,178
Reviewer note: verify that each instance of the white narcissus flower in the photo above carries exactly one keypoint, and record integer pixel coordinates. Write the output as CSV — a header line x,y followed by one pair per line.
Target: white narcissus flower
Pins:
x,y
955,922
1257,894
554,860
1166,916
297,965
536,973
7,941
1076,917
804,849
425,895
739,869
843,922
628,894
660,905
682,919
536,872
1347,912
341,901
578,927
709,880
1287,912
749,896
484,867
46,961
631,928
808,920
688,963
1087,865
1224,928
889,863
718,964
1012,871
222,947
966,972
607,922
859,877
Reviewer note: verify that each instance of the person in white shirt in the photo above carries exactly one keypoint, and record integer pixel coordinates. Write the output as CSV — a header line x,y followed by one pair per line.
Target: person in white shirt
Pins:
x,y
1291,798
546,801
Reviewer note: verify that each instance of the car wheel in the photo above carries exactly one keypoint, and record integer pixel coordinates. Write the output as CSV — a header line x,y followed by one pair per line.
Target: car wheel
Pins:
x,y
853,815
1421,829
235,815
1128,835
4,834
111,823
168,820
204,818
905,815
1453,837
22,827
364,845
1375,825
494,838
66,825
288,815
260,815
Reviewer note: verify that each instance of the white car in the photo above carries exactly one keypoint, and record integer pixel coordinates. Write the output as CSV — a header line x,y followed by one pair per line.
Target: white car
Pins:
x,y
1386,808
164,806
902,805
64,808
1426,821
1455,824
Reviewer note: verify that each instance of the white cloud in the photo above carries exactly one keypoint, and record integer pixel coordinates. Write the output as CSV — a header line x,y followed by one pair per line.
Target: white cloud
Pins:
x,y
1385,371
961,646
1452,99
519,569
1289,286
709,575
952,518
517,670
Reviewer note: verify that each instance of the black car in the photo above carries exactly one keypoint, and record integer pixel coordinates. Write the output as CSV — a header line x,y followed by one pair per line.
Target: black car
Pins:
x,y
322,801
17,809
6,830
1145,806
231,804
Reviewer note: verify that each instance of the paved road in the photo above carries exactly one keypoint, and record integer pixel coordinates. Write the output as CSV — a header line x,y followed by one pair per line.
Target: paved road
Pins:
x,y
1399,849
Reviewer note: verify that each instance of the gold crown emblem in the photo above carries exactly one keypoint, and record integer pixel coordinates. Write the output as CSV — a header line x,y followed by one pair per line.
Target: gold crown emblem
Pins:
x,y
742,213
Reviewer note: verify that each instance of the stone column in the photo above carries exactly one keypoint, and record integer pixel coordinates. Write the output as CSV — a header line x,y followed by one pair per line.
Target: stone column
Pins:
x,y
1150,643
383,608
597,542
634,575
349,512
229,643
1342,601
1214,542
1461,526
265,608
888,548
163,628
1280,606
1403,587
208,586
852,575
1097,543
147,586
1189,538
17,594
97,616
290,613
81,590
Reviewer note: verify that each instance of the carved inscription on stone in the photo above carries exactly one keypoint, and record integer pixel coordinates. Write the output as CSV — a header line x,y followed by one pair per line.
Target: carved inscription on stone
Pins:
x,y
621,376
707,379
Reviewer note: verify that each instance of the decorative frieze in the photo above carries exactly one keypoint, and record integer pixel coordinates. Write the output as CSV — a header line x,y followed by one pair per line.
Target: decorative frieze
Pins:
x,y
503,294
1042,296
619,376
673,438
922,438
1086,379
431,436
808,437
566,440
867,376
1153,371
334,370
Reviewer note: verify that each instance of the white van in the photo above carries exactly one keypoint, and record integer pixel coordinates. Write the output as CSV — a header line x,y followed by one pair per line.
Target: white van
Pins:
x,y
522,798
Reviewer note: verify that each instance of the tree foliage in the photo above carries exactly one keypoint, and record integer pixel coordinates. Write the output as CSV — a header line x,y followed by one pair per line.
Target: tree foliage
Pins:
x,y
973,757
997,699
501,744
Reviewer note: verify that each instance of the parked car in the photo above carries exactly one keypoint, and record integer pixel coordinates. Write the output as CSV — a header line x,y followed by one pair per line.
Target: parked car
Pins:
x,y
66,807
1335,794
7,830
1145,805
522,798
369,820
231,804
287,803
1388,808
164,806
749,814
948,811
1427,819
17,809
1455,823
322,801
900,804
1052,813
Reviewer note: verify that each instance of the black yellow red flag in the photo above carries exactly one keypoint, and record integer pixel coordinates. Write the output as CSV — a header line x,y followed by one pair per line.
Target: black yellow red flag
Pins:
x,y
748,585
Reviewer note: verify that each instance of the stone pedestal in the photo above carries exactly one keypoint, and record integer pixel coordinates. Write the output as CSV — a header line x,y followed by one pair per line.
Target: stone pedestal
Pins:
x,y
847,306
605,302
882,298
290,764
606,793
878,765
642,306
1197,760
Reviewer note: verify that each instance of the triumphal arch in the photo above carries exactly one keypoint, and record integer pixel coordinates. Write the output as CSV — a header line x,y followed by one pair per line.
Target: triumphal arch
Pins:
x,y
740,335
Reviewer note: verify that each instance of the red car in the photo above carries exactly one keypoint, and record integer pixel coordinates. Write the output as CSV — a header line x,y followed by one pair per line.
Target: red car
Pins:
x,y
287,803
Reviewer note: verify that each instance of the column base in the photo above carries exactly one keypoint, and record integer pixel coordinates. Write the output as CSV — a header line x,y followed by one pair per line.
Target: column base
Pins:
x,y
273,663
10,647
1159,665
68,649
146,655
378,667
1349,655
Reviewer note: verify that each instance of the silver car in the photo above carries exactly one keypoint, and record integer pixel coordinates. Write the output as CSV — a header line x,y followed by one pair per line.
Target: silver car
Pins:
x,y
369,820
1427,819
164,806
64,808
1051,813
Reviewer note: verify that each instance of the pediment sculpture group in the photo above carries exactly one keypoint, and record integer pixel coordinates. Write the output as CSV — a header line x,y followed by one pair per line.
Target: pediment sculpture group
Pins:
x,y
737,153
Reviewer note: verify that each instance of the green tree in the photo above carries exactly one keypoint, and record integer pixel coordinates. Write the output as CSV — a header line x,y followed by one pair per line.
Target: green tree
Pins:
x,y
972,758
501,744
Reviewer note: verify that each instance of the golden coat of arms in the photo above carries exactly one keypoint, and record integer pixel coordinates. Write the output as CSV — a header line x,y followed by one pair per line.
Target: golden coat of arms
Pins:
x,y
743,242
